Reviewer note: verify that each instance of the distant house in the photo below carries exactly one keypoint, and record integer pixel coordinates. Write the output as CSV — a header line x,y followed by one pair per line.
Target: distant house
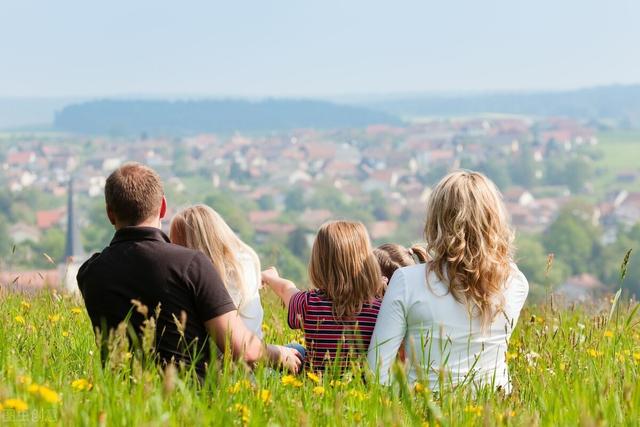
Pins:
x,y
382,229
21,158
314,218
518,196
265,230
262,217
627,177
583,287
50,218
21,232
627,208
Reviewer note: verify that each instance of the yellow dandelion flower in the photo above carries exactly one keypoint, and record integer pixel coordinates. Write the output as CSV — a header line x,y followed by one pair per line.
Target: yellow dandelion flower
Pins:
x,y
511,355
17,405
476,410
318,390
24,304
313,377
19,320
76,310
636,357
23,379
81,384
357,417
240,385
244,412
608,334
594,353
336,383
45,393
65,334
265,396
49,395
418,388
54,318
291,380
265,327
357,394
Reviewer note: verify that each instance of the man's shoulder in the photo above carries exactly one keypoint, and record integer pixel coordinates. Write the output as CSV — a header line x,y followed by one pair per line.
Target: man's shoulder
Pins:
x,y
88,263
177,252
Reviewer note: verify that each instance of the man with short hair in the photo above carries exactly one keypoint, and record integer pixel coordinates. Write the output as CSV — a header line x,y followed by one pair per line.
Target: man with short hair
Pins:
x,y
142,265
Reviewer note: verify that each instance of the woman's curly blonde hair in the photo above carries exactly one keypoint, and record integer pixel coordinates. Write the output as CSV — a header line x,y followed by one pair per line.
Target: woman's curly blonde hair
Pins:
x,y
470,242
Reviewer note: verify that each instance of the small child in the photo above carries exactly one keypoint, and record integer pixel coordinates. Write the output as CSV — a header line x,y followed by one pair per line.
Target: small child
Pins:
x,y
392,256
338,315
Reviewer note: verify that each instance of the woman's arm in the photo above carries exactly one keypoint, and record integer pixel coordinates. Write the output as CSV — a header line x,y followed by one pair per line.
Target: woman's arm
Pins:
x,y
284,288
390,329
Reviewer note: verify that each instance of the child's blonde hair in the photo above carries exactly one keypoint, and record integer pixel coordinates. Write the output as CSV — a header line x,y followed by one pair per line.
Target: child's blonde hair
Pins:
x,y
201,228
469,240
343,266
392,256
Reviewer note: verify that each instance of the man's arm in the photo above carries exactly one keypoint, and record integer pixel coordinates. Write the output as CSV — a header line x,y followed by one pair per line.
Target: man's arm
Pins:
x,y
284,288
244,344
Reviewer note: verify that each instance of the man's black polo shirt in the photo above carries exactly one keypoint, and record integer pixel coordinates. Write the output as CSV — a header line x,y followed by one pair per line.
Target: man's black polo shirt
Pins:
x,y
141,264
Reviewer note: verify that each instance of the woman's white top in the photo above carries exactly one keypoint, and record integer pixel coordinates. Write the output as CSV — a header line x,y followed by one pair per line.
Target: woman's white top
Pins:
x,y
248,301
439,334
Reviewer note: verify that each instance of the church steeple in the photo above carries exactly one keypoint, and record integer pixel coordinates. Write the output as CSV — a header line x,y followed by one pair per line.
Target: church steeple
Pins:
x,y
73,246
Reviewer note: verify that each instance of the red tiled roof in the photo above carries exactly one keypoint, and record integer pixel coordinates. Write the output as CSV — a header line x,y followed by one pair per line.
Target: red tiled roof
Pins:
x,y
47,219
261,217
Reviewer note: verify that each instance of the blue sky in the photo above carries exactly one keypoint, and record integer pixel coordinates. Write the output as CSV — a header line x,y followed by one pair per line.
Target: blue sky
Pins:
x,y
319,48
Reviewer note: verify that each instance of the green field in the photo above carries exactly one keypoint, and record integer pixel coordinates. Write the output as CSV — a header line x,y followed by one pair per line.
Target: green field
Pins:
x,y
621,153
568,367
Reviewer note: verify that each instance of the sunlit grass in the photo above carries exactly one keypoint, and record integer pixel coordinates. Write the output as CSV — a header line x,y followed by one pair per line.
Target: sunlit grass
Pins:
x,y
568,366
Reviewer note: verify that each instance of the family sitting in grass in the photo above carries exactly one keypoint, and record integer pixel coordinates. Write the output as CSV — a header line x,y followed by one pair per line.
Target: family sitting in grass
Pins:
x,y
441,313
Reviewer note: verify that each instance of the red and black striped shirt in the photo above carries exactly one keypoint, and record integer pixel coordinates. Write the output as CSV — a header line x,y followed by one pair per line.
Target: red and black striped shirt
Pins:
x,y
330,341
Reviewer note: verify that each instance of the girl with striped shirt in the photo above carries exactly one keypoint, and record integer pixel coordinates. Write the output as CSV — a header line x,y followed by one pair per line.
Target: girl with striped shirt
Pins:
x,y
339,313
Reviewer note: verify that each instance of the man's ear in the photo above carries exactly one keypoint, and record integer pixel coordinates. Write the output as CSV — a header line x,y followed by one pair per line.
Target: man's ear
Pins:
x,y
111,216
163,207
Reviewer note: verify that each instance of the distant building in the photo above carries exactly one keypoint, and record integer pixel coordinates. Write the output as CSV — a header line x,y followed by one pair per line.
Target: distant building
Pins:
x,y
74,254
21,232
583,287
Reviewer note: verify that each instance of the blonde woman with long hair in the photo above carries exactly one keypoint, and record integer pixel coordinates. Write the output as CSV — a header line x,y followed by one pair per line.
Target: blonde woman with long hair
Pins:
x,y
201,228
457,312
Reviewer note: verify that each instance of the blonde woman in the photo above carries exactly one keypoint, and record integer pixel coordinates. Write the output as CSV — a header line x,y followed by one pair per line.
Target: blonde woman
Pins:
x,y
201,228
457,312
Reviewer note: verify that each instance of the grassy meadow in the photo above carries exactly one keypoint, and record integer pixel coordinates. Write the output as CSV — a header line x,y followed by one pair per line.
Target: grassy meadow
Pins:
x,y
569,366
620,153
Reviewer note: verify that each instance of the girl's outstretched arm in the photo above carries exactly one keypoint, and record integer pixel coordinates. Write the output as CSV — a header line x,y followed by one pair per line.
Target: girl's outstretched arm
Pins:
x,y
284,288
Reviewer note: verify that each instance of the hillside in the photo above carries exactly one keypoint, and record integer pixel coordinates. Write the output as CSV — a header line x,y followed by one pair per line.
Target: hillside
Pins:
x,y
618,102
125,117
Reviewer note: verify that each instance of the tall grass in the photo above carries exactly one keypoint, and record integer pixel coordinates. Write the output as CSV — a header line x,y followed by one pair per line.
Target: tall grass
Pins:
x,y
568,366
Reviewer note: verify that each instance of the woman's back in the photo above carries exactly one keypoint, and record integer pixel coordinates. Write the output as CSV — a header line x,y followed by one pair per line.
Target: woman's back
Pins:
x,y
246,297
439,332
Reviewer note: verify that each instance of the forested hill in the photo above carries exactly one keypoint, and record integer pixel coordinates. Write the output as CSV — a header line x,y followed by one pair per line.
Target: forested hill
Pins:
x,y
123,117
619,102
